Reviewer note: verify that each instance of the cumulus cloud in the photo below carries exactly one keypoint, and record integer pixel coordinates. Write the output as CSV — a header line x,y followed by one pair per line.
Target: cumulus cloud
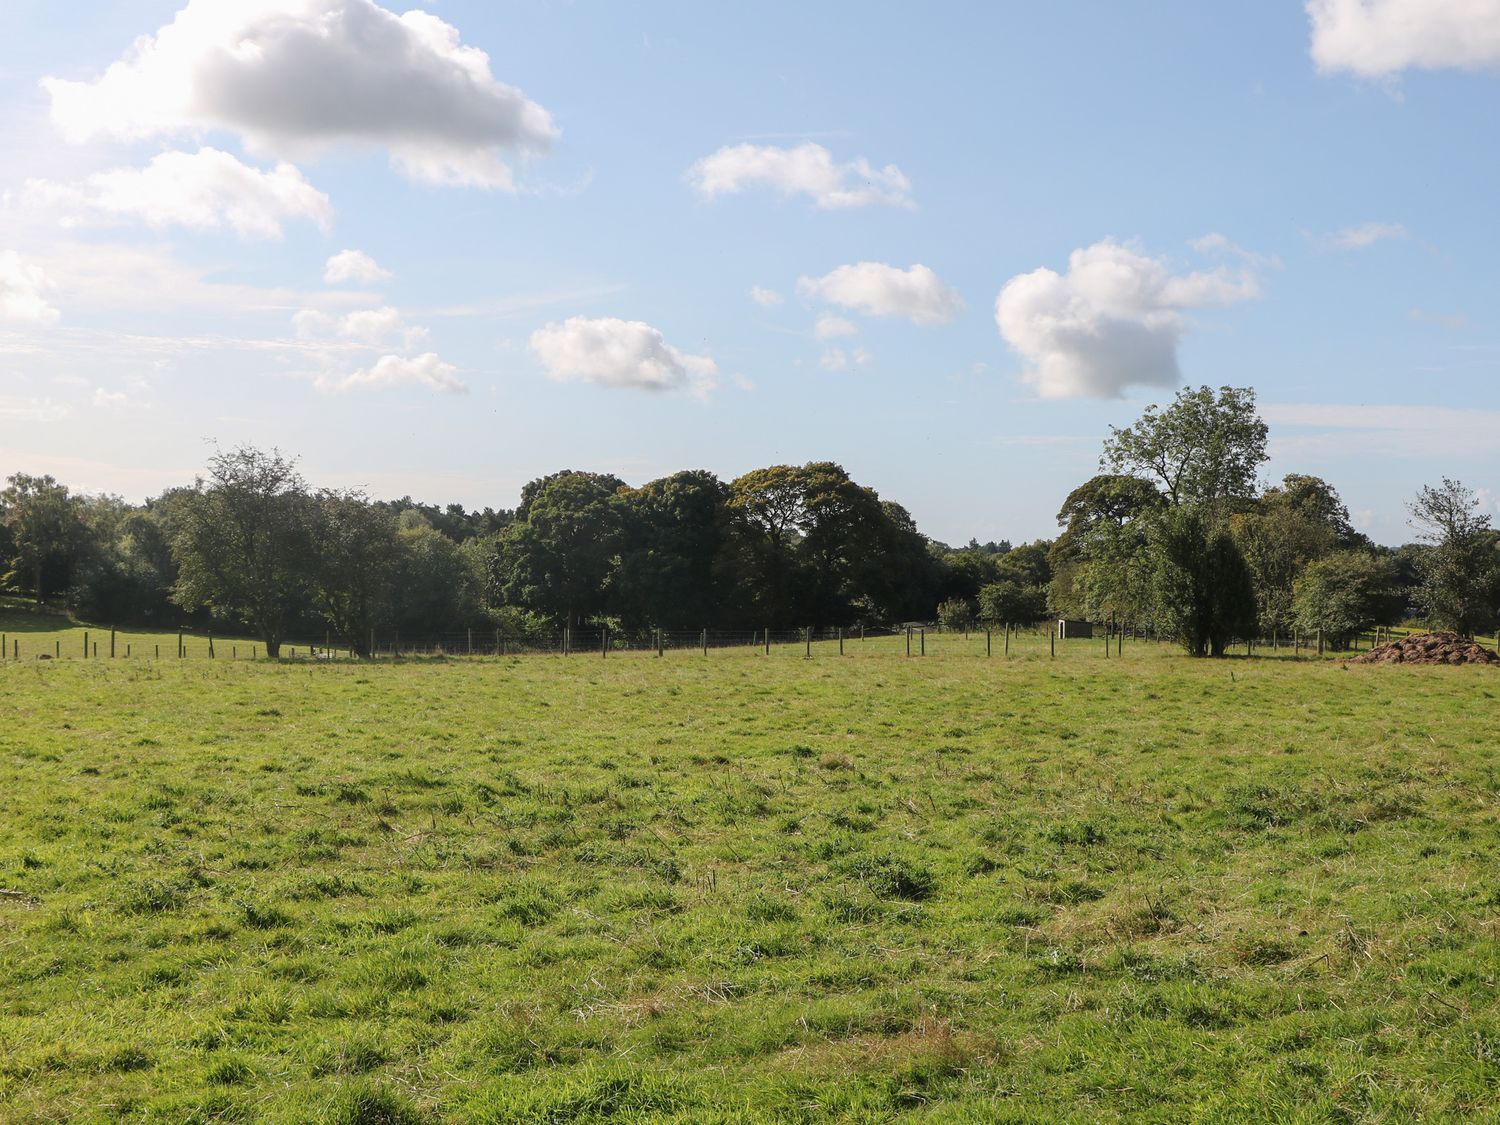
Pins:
x,y
765,298
1376,38
1367,234
297,76
425,370
23,289
203,191
354,265
829,326
808,169
877,289
1112,321
619,353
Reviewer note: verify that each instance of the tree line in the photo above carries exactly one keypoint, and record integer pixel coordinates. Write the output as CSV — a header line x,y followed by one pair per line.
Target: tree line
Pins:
x,y
1177,534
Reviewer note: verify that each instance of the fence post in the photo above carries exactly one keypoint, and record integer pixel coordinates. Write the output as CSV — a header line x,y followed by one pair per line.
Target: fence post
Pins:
x,y
1052,635
96,650
768,642
57,649
604,642
1007,639
987,650
924,640
807,637
841,640
1320,640
908,640
85,644
111,644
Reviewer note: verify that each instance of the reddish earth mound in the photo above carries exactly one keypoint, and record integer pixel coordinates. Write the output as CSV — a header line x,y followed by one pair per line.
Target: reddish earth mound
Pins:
x,y
1429,648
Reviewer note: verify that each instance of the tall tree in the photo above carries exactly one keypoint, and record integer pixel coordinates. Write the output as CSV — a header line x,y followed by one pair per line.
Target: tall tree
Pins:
x,y
1460,573
1202,585
674,530
356,552
560,556
1205,448
1343,594
1099,561
240,542
46,533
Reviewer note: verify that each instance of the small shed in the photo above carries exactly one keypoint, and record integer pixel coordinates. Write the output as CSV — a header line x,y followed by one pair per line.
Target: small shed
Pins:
x,y
1068,630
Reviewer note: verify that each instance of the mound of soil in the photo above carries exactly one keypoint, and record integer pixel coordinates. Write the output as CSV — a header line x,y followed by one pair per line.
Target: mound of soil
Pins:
x,y
1428,648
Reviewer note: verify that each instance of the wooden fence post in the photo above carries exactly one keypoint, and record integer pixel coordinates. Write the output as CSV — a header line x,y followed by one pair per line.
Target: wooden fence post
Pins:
x,y
924,640
85,644
807,637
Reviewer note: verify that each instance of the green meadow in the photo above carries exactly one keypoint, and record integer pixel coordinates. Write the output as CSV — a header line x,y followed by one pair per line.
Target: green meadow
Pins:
x,y
740,888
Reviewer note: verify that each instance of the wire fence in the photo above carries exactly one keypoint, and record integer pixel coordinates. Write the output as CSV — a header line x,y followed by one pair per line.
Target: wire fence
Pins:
x,y
913,641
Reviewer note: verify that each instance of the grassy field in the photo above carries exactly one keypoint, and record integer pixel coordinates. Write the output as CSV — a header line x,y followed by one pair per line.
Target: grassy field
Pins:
x,y
740,889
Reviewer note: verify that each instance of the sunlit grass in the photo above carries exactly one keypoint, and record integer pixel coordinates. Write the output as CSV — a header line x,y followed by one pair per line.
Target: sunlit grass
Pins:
x,y
740,888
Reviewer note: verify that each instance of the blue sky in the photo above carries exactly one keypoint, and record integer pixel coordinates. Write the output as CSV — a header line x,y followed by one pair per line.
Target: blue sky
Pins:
x,y
557,243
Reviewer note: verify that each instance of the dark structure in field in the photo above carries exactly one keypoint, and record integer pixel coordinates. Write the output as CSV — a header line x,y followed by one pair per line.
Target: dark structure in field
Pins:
x,y
1067,630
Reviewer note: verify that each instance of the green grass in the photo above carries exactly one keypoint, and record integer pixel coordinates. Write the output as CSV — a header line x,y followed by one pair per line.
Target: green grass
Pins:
x,y
741,889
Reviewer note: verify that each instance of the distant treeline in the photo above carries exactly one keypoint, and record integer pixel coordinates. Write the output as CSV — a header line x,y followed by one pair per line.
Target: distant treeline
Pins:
x,y
1177,534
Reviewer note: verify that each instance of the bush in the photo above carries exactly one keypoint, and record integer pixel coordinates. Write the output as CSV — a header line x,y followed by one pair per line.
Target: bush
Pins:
x,y
956,615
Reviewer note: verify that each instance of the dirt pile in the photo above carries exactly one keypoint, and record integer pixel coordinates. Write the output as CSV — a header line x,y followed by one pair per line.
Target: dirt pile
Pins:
x,y
1428,648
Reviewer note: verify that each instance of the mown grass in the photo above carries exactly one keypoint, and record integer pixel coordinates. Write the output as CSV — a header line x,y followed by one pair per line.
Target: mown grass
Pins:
x,y
743,889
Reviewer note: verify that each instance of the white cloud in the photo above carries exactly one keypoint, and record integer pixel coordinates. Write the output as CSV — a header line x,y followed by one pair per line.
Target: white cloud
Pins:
x,y
1215,242
371,327
1112,321
765,298
1375,38
353,265
808,169
203,191
618,353
108,400
1367,234
877,289
297,76
425,370
830,326
22,291
836,359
